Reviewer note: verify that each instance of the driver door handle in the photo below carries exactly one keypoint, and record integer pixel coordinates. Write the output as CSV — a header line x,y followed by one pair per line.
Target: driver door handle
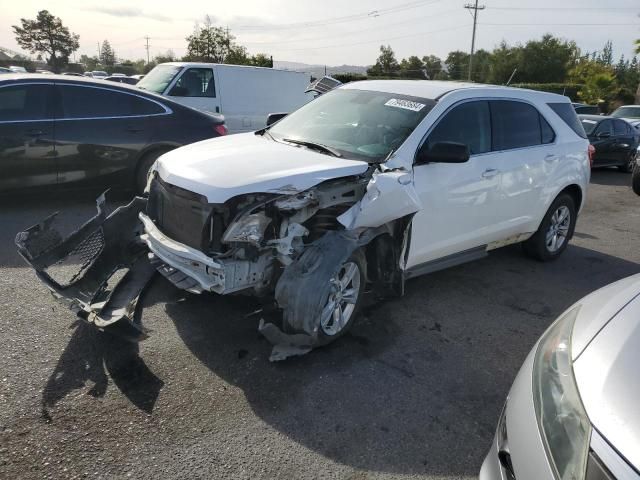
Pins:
x,y
550,158
490,173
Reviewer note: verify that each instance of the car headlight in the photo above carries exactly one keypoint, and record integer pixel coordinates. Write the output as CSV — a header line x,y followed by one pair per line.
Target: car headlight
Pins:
x,y
248,228
563,423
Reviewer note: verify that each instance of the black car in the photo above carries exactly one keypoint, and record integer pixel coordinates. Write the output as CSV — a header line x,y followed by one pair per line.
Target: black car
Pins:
x,y
119,79
63,131
615,140
584,109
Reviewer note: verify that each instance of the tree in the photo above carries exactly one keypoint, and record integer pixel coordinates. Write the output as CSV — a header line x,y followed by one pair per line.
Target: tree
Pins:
x,y
606,57
46,35
504,61
165,57
90,63
457,63
635,60
546,60
599,88
433,66
386,64
481,66
261,60
412,67
107,55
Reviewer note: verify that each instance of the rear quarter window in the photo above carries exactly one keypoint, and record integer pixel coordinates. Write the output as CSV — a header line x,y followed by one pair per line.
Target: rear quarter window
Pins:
x,y
568,115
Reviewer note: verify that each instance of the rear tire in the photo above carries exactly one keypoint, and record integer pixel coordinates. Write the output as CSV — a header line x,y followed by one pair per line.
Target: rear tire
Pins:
x,y
142,172
555,231
635,180
631,162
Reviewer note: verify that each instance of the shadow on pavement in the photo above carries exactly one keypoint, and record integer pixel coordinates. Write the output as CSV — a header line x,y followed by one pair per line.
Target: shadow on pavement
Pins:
x,y
610,176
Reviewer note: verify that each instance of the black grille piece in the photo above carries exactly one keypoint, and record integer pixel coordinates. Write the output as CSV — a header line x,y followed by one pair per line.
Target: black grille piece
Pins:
x,y
178,213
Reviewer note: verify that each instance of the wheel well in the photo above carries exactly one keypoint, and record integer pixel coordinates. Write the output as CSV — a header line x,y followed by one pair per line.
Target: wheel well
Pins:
x,y
575,192
158,150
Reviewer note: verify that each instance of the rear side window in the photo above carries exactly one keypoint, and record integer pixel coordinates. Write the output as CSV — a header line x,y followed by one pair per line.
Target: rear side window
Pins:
x,y
25,102
620,127
468,123
89,102
195,82
605,127
517,125
568,115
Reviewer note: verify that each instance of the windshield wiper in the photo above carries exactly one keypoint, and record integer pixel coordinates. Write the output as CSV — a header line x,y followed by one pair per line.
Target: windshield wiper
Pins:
x,y
313,145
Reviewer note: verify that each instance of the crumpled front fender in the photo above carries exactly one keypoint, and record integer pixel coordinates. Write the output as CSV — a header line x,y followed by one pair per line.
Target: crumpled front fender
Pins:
x,y
99,270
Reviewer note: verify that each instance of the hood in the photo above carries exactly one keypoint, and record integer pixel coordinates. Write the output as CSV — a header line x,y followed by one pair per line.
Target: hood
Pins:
x,y
609,384
224,167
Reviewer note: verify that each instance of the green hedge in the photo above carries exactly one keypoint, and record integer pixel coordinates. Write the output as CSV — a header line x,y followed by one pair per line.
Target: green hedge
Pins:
x,y
568,89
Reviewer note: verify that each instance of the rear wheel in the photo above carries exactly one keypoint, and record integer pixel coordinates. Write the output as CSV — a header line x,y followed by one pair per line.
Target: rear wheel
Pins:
x,y
144,165
630,164
635,180
555,231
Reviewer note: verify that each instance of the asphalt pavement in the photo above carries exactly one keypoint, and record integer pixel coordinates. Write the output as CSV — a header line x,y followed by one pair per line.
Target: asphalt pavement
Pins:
x,y
414,391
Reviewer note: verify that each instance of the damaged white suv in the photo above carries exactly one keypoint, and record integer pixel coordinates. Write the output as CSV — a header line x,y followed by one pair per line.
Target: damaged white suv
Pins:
x,y
372,183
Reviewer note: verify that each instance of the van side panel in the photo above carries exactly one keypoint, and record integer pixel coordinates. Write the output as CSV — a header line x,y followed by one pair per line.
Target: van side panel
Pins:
x,y
248,95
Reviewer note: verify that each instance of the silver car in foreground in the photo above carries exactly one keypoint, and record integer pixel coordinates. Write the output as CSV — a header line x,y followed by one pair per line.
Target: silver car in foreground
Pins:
x,y
573,411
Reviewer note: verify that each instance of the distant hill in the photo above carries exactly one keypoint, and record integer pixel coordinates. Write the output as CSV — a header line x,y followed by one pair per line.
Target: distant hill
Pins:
x,y
318,70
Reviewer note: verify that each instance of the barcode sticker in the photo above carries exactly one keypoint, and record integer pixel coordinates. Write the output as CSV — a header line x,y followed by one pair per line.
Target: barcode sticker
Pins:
x,y
406,104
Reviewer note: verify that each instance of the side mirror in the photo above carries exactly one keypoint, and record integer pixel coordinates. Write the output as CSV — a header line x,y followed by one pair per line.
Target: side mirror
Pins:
x,y
274,117
443,152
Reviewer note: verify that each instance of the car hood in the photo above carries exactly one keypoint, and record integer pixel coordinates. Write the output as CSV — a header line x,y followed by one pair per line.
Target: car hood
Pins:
x,y
608,380
224,167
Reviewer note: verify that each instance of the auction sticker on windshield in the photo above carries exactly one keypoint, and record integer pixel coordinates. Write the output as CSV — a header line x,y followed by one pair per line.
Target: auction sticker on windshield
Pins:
x,y
406,104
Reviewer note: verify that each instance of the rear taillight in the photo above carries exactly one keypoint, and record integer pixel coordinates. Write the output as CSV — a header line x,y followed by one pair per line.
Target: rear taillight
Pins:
x,y
220,129
591,151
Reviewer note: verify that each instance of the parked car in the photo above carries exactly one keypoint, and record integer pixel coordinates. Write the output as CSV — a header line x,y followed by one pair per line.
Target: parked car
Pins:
x,y
572,412
16,69
584,109
71,131
96,74
5,70
138,77
630,113
615,141
376,181
122,79
246,95
635,177
74,74
40,70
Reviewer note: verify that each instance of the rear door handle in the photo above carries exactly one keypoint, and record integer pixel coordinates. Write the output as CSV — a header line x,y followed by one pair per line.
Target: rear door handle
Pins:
x,y
490,173
550,158
133,129
35,133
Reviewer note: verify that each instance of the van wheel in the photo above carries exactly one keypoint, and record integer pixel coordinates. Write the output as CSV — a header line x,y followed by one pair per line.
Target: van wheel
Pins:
x,y
144,165
635,180
555,231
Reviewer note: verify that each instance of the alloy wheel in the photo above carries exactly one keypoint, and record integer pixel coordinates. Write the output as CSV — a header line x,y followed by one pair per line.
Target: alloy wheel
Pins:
x,y
558,229
345,289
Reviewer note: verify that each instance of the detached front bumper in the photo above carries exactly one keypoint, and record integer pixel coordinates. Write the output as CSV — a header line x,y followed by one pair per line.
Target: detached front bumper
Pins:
x,y
192,270
99,270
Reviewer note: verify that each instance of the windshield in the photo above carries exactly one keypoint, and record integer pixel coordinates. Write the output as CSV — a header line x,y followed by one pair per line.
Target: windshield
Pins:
x,y
627,112
588,125
359,124
158,78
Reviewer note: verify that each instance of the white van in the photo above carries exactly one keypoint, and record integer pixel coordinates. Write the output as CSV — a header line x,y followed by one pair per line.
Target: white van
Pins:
x,y
245,95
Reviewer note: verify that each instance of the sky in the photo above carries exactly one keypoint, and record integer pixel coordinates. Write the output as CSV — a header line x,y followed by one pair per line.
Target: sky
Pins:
x,y
333,32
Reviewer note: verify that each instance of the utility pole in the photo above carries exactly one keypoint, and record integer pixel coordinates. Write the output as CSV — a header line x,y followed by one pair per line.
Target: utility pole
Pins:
x,y
475,7
147,47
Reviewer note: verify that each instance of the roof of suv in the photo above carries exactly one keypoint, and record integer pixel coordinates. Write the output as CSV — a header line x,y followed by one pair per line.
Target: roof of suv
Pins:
x,y
434,89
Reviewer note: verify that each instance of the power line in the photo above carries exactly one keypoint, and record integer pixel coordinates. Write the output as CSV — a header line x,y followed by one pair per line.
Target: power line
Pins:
x,y
355,32
572,9
561,24
475,9
342,19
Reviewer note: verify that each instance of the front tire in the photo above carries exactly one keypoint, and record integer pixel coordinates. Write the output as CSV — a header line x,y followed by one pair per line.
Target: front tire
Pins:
x,y
555,231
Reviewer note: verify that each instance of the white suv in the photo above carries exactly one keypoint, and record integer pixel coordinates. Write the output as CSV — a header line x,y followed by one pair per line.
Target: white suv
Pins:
x,y
374,182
